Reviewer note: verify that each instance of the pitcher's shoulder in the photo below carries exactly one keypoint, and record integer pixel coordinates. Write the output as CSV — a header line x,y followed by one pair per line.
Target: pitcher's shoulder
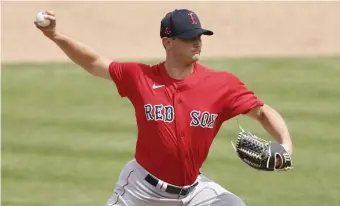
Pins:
x,y
150,71
217,74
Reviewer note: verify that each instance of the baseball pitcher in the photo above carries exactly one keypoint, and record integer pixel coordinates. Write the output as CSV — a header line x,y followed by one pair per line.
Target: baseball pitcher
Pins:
x,y
180,106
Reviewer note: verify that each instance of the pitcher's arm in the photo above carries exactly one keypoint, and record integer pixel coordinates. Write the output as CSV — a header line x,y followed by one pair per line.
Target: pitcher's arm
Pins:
x,y
78,52
274,124
83,55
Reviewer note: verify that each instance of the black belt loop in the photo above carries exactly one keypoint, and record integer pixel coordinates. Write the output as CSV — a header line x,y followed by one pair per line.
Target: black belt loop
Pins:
x,y
171,189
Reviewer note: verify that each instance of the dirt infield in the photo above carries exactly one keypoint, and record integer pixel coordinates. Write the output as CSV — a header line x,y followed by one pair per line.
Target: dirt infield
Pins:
x,y
131,29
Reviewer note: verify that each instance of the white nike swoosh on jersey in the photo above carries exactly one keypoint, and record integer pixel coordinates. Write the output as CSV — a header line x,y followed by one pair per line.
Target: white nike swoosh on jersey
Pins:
x,y
154,86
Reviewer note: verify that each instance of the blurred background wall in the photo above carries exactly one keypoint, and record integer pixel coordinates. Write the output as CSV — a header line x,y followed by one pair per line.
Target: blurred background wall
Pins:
x,y
126,30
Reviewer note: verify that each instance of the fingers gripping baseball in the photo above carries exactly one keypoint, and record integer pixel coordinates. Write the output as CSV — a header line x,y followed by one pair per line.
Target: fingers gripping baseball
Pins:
x,y
46,22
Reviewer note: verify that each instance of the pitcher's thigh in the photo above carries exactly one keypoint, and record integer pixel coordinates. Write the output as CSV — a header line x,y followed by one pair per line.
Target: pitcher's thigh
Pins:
x,y
212,194
116,200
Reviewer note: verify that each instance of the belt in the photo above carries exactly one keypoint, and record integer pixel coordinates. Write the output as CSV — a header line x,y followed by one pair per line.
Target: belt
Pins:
x,y
171,189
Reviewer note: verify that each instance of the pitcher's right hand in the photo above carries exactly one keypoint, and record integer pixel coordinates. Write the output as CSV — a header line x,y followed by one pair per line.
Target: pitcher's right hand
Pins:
x,y
50,30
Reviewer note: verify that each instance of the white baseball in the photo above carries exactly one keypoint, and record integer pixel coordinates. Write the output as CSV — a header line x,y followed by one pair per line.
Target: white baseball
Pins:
x,y
41,20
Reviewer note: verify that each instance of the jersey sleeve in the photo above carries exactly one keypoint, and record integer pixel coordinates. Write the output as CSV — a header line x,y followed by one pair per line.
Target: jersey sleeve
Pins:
x,y
238,99
124,75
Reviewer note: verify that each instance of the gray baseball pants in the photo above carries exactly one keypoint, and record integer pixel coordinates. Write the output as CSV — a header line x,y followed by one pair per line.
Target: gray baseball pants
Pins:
x,y
132,189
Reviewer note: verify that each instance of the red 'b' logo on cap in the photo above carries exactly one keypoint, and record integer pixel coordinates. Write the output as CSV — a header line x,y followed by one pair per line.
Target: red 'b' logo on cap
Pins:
x,y
193,18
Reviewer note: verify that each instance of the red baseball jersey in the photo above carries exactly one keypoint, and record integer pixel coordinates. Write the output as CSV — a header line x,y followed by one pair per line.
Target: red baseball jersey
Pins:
x,y
178,119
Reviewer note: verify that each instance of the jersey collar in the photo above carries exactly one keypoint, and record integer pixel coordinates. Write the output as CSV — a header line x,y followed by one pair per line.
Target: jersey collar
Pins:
x,y
183,84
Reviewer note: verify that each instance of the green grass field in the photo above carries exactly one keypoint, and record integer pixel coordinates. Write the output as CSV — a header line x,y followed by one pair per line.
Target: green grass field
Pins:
x,y
66,134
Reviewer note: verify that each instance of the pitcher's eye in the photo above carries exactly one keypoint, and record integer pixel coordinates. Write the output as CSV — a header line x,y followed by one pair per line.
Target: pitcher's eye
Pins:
x,y
193,39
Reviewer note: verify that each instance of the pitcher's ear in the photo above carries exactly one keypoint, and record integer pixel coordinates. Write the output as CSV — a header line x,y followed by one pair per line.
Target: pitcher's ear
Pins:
x,y
167,43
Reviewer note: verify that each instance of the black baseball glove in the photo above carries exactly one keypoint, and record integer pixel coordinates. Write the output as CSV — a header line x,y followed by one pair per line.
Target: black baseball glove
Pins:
x,y
262,154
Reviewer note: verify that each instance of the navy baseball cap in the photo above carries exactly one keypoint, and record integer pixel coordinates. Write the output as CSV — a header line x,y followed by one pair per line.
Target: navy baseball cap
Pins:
x,y
182,23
